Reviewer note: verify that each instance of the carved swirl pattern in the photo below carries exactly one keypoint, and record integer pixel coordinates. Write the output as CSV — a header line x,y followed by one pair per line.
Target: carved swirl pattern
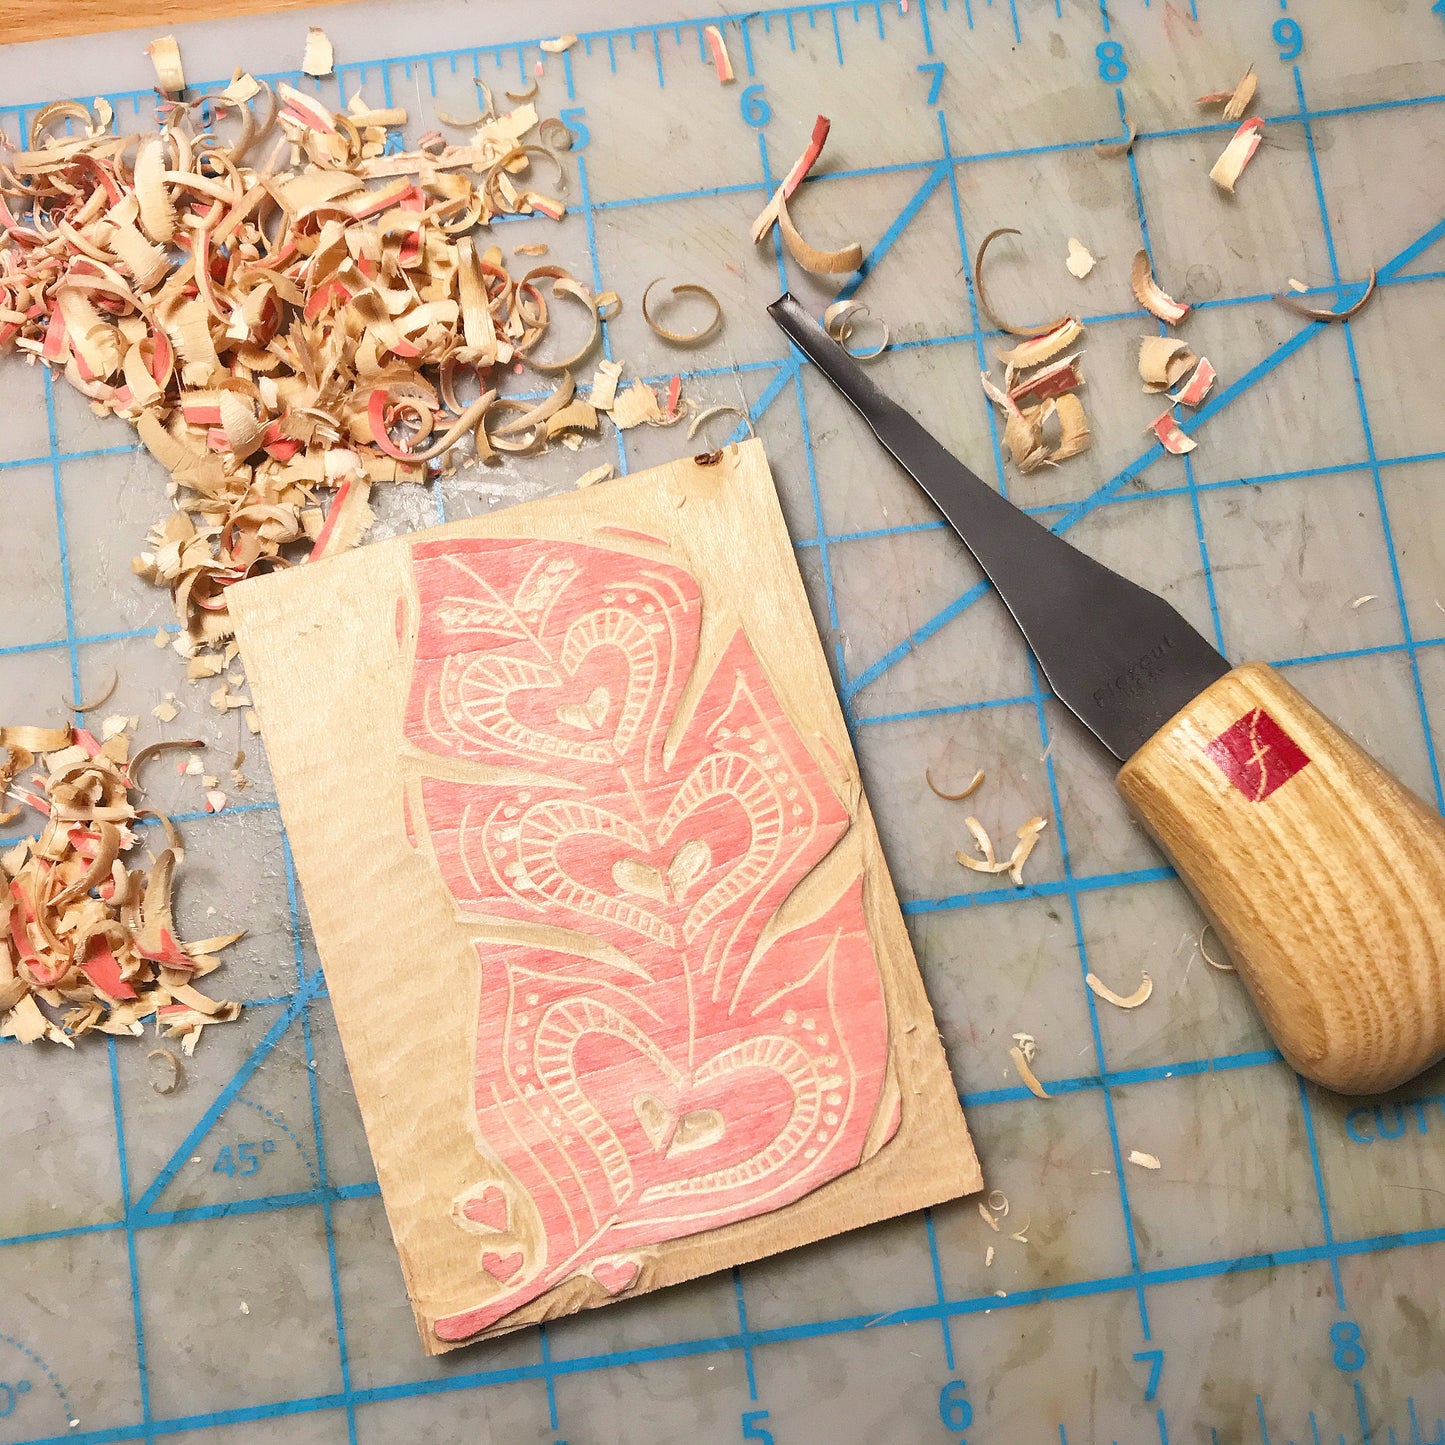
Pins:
x,y
653,1066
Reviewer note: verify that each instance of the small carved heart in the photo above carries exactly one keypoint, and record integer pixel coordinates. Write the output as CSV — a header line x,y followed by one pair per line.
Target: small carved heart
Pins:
x,y
487,1209
696,1131
655,1118
502,1267
632,875
586,716
688,864
615,1275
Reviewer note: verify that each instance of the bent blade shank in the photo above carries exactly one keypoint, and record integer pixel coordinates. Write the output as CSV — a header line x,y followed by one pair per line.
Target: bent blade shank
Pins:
x,y
1119,656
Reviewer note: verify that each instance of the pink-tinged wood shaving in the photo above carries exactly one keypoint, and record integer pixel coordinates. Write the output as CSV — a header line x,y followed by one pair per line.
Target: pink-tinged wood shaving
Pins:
x,y
280,310
80,932
1150,295
717,48
1193,392
319,58
768,216
1049,381
1236,101
1171,438
1325,313
1039,349
1236,155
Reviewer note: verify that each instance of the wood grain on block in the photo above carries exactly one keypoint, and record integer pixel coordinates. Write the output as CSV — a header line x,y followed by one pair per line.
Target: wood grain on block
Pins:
x,y
1324,875
622,980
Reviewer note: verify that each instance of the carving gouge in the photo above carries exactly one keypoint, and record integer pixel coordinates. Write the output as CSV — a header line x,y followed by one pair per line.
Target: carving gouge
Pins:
x,y
1323,875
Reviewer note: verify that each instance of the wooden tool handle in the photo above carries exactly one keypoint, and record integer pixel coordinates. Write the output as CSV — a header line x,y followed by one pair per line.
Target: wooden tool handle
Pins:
x,y
1324,876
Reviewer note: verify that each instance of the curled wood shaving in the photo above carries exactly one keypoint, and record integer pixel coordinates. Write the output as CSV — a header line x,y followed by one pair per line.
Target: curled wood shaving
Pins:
x,y
1074,433
1222,964
1321,313
1040,349
1193,392
1236,155
103,696
1102,989
1028,1044
981,295
1079,260
1236,101
281,310
91,938
1049,381
554,134
987,1215
765,219
839,320
809,257
171,1076
1143,1160
684,338
522,95
1027,836
559,45
1163,361
997,1202
1171,437
1111,149
1149,295
152,750
968,792
1030,1079
165,55
319,58
709,413
717,47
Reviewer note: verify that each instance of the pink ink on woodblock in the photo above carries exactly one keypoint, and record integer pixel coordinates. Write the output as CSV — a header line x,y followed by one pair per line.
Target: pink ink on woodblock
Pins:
x,y
672,1071
1256,755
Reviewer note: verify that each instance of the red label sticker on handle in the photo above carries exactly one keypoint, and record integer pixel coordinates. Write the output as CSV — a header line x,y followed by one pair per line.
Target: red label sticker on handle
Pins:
x,y
1256,755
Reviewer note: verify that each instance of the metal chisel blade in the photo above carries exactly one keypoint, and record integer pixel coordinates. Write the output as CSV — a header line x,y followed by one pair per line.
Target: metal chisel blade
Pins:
x,y
1119,656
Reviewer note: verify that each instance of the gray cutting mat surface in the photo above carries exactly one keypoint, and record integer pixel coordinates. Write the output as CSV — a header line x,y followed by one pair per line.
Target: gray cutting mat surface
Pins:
x,y
215,1266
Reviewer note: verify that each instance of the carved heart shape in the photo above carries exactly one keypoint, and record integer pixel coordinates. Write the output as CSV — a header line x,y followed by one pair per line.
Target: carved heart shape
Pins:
x,y
696,1131
737,1105
654,1117
687,865
585,716
615,1275
502,1267
487,1209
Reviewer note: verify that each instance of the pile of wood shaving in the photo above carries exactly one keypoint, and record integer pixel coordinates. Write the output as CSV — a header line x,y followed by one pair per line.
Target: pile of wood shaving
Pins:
x,y
1044,418
80,932
284,309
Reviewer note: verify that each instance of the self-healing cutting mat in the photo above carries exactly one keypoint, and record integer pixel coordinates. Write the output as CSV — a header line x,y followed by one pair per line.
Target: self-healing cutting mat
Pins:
x,y
624,989
1275,1279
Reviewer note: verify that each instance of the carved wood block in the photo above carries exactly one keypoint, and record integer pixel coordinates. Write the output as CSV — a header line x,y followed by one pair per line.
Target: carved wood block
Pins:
x,y
620,975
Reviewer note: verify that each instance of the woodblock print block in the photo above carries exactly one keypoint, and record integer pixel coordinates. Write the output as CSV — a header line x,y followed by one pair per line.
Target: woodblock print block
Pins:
x,y
691,890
